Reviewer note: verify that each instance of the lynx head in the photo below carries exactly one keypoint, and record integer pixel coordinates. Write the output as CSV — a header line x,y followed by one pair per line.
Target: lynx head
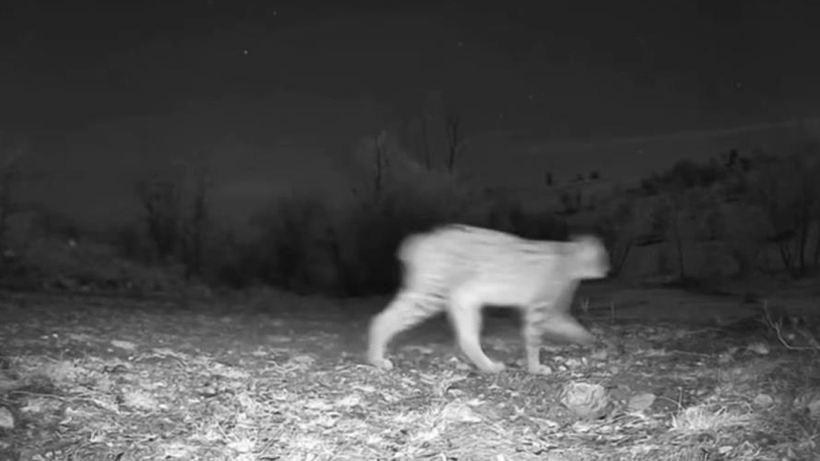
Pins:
x,y
588,258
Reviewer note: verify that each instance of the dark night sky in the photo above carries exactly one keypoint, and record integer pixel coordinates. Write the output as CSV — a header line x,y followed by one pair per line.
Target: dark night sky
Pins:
x,y
275,90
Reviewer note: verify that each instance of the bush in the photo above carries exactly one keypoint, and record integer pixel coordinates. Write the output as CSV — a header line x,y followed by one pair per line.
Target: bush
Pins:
x,y
231,264
52,262
304,245
307,245
510,217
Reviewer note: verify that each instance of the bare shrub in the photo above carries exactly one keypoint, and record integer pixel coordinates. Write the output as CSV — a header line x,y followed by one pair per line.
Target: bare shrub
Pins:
x,y
742,228
346,245
787,190
286,231
619,225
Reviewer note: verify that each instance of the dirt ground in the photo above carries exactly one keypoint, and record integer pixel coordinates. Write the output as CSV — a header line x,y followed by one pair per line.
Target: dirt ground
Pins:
x,y
273,376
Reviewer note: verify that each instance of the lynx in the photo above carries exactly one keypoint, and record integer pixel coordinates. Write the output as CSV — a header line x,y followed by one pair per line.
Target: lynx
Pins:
x,y
459,269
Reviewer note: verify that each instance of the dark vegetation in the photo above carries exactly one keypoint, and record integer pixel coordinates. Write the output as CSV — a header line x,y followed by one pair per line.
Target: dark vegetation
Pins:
x,y
723,217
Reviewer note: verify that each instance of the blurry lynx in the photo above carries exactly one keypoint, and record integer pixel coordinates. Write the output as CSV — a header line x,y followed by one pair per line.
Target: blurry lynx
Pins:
x,y
459,269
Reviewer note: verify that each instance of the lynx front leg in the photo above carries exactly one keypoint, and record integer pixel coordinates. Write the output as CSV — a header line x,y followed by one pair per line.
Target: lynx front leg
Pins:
x,y
532,331
405,311
544,320
465,315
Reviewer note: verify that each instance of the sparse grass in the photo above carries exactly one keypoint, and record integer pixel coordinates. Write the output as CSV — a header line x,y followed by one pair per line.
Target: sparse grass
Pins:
x,y
272,376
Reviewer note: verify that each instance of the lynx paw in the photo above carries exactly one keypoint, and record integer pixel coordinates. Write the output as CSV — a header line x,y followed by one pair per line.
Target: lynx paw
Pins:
x,y
381,363
493,367
539,369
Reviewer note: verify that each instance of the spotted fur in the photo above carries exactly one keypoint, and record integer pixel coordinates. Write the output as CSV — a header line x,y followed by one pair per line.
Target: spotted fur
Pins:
x,y
459,269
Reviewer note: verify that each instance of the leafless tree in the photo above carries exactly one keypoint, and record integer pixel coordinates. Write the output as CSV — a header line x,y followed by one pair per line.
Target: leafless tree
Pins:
x,y
379,163
455,141
195,223
670,219
618,227
177,211
425,136
160,200
790,194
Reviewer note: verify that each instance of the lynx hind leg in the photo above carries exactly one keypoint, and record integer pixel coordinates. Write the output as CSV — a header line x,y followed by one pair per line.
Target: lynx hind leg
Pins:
x,y
405,311
465,315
